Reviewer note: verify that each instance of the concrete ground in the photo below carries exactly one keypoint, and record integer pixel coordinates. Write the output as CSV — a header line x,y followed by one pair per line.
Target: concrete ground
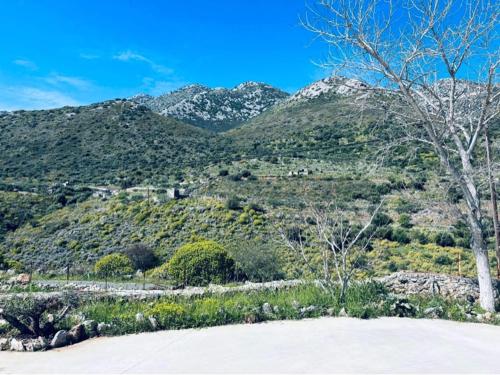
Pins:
x,y
326,345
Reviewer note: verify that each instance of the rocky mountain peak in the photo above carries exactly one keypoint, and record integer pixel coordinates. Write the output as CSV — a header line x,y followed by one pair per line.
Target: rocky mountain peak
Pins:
x,y
331,85
216,109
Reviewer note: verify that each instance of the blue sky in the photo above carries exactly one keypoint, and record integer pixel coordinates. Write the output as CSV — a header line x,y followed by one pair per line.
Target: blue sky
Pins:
x,y
56,53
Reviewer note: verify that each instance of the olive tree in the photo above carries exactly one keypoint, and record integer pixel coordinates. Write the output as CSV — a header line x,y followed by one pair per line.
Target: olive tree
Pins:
x,y
36,315
435,62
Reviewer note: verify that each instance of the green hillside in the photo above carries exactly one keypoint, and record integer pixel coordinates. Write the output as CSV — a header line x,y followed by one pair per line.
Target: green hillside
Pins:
x,y
240,185
115,142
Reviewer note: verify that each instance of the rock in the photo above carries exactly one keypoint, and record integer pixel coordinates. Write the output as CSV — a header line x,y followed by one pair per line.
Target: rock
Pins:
x,y
35,345
330,311
406,283
77,333
60,339
23,278
307,310
90,328
488,315
102,328
343,313
139,317
479,317
153,322
267,309
4,344
250,319
403,308
16,345
434,312
11,272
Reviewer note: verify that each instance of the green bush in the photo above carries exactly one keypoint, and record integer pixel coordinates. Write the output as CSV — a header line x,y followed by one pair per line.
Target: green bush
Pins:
x,y
201,263
443,260
12,264
233,203
420,237
444,239
142,257
381,219
113,265
400,235
168,314
256,261
405,221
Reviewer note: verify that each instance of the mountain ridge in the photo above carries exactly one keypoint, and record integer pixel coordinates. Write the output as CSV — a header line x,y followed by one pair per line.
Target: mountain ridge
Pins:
x,y
217,109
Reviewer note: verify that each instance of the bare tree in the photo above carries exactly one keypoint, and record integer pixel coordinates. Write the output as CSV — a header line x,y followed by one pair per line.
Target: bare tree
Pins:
x,y
326,233
435,62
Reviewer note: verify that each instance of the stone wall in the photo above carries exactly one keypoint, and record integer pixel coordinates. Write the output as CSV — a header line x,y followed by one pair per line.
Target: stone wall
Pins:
x,y
431,283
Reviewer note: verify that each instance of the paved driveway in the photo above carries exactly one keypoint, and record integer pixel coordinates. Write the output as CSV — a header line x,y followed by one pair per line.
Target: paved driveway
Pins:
x,y
343,345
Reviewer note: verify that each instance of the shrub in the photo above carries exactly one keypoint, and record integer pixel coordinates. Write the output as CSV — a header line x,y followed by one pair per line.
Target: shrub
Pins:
x,y
141,256
113,265
443,260
201,263
383,232
256,262
233,203
381,219
223,172
444,239
405,221
244,218
245,173
400,235
168,314
420,237
15,265
160,272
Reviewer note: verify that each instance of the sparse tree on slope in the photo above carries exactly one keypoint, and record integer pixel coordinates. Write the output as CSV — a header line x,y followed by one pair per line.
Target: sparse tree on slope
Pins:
x,y
438,61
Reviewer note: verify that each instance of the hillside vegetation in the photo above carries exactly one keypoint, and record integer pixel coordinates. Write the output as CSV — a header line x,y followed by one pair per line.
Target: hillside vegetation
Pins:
x,y
320,145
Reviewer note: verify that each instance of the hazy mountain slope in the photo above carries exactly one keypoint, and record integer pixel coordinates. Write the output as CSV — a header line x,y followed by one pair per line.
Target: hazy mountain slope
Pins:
x,y
216,109
102,143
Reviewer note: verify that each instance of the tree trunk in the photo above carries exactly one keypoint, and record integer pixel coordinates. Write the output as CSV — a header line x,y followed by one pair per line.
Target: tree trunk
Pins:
x,y
486,296
493,196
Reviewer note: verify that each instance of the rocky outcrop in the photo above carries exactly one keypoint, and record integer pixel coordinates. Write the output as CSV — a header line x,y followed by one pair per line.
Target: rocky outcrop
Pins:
x,y
61,338
406,283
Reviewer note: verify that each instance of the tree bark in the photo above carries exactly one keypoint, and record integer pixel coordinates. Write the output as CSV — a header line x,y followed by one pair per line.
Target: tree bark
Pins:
x,y
486,295
17,324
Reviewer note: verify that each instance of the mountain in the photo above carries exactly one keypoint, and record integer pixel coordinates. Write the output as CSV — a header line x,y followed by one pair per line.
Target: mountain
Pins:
x,y
328,87
216,109
113,142
333,118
